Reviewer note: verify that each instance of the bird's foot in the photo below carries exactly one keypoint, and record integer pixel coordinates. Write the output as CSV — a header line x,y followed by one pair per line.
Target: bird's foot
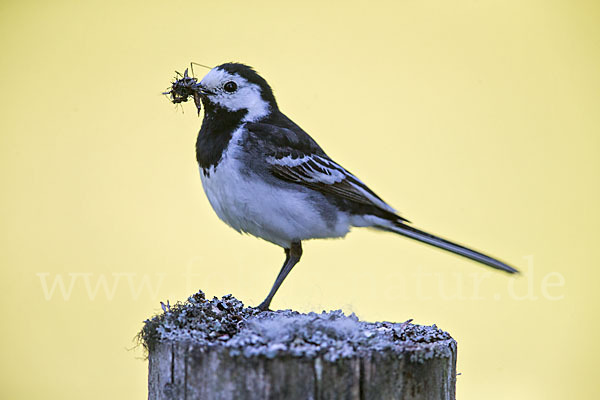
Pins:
x,y
264,306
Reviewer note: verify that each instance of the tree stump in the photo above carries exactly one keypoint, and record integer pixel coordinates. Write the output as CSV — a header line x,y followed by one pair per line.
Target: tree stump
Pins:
x,y
217,349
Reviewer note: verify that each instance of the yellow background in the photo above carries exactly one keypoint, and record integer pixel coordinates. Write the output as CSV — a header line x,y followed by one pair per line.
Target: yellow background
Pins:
x,y
478,120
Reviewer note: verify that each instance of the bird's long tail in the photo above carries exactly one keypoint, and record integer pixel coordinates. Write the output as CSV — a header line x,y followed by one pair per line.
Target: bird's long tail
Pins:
x,y
414,233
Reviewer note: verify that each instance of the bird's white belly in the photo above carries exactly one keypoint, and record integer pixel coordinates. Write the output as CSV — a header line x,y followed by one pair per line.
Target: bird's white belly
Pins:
x,y
249,204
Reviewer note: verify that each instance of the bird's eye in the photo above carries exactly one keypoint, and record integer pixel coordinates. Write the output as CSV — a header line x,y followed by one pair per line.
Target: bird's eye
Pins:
x,y
230,87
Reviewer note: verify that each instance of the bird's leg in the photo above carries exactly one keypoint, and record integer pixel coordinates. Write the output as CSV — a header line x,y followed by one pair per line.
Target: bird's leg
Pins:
x,y
292,256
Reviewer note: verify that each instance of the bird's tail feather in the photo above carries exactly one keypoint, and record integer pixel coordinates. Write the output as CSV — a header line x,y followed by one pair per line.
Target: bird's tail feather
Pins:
x,y
414,233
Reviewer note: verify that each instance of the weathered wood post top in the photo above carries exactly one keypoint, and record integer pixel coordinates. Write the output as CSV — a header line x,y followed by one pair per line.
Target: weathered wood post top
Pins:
x,y
219,349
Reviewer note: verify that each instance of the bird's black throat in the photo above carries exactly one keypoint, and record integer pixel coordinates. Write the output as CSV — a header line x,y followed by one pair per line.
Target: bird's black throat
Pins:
x,y
217,129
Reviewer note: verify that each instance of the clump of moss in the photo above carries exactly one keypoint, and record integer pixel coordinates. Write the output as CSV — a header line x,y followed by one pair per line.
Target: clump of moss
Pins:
x,y
198,319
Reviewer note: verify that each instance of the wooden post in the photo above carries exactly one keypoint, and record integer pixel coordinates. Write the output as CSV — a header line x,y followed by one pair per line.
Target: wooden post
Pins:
x,y
217,349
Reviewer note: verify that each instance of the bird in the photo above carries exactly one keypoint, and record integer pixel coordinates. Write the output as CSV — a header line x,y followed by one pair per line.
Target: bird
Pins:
x,y
265,176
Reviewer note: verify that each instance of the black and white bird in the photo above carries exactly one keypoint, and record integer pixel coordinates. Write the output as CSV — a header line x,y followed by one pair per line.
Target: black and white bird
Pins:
x,y
265,176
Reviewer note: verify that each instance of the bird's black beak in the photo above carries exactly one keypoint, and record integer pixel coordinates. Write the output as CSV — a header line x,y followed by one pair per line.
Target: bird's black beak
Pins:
x,y
203,91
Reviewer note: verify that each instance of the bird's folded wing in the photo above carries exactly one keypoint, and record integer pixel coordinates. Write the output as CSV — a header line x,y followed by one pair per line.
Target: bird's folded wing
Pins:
x,y
324,175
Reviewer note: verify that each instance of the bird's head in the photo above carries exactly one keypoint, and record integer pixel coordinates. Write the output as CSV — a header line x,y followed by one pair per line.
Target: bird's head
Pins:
x,y
237,87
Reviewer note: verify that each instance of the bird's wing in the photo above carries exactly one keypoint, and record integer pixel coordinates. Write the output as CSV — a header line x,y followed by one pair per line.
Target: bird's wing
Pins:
x,y
323,174
292,155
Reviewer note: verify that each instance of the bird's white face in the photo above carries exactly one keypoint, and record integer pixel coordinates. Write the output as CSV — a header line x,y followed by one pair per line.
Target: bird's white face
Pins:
x,y
234,93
